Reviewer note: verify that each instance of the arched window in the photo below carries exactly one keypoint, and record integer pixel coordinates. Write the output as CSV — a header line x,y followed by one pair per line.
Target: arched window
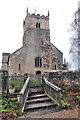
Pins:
x,y
37,25
38,62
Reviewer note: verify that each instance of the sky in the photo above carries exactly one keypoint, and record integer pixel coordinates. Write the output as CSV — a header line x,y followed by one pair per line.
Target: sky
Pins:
x,y
12,13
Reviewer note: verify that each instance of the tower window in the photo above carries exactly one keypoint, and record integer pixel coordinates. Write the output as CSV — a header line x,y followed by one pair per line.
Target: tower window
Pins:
x,y
37,25
38,62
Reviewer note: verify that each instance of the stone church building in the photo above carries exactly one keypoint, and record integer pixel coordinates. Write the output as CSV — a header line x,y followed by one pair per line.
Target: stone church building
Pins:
x,y
37,53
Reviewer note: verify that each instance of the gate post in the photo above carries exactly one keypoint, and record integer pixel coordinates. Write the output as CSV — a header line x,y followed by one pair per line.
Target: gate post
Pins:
x,y
4,80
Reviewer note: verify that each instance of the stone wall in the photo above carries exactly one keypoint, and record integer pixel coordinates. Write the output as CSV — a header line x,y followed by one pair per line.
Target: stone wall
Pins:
x,y
67,76
46,50
57,58
17,78
17,62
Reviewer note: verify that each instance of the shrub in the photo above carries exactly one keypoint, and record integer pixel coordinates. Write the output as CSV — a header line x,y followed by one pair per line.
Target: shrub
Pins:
x,y
78,97
12,85
64,105
9,109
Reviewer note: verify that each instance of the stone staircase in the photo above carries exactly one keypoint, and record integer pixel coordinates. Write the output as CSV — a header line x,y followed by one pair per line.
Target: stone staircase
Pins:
x,y
38,102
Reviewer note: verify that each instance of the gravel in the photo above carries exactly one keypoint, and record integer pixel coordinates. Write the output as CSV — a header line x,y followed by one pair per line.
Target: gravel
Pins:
x,y
61,114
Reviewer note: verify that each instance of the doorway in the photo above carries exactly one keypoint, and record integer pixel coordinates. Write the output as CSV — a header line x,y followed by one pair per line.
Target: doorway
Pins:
x,y
38,76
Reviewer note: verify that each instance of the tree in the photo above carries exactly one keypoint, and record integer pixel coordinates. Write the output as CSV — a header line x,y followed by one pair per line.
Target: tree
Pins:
x,y
75,40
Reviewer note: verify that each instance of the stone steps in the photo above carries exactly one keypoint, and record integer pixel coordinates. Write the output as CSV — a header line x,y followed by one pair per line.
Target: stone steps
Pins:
x,y
33,92
38,100
37,96
38,105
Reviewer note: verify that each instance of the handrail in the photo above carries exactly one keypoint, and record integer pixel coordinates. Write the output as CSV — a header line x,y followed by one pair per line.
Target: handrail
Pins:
x,y
24,87
52,85
23,94
53,91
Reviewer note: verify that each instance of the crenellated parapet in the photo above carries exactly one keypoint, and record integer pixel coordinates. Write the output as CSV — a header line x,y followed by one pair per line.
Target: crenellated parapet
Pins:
x,y
36,21
38,16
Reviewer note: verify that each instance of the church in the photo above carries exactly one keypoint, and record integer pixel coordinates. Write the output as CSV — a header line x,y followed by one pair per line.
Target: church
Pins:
x,y
37,53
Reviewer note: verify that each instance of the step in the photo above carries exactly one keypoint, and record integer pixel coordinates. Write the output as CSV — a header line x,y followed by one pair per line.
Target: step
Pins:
x,y
38,100
38,106
36,87
36,92
37,96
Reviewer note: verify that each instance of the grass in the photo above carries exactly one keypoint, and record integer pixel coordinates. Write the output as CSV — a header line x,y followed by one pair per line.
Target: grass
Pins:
x,y
35,83
17,83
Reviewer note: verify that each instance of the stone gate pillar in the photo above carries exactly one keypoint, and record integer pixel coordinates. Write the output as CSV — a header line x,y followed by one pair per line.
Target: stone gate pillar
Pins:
x,y
3,81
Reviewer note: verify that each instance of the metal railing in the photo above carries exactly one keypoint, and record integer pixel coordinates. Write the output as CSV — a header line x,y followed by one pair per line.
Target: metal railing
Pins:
x,y
52,90
23,95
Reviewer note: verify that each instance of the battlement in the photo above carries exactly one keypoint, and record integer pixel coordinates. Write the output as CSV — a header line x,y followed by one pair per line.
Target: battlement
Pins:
x,y
37,16
5,57
36,21
5,54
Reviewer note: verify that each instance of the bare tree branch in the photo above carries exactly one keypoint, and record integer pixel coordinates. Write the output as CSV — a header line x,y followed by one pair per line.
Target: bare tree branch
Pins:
x,y
75,39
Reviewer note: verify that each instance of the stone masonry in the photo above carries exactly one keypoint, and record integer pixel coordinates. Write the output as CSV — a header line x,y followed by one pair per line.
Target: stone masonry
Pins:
x,y
37,52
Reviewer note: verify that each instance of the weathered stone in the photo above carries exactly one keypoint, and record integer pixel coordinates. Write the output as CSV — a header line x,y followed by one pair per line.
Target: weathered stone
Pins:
x,y
36,44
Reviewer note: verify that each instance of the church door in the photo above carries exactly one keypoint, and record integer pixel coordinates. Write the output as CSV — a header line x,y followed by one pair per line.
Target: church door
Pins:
x,y
38,76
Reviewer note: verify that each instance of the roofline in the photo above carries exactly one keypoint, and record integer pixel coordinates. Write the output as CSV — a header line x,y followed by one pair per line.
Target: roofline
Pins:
x,y
56,48
16,51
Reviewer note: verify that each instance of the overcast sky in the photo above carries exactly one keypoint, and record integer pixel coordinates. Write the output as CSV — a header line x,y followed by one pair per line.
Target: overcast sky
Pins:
x,y
12,13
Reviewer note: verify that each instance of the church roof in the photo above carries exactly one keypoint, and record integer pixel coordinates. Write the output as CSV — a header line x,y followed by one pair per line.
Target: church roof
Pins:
x,y
56,48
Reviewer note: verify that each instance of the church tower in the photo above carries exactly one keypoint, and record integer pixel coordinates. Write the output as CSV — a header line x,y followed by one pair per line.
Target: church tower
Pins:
x,y
37,53
35,23
37,40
